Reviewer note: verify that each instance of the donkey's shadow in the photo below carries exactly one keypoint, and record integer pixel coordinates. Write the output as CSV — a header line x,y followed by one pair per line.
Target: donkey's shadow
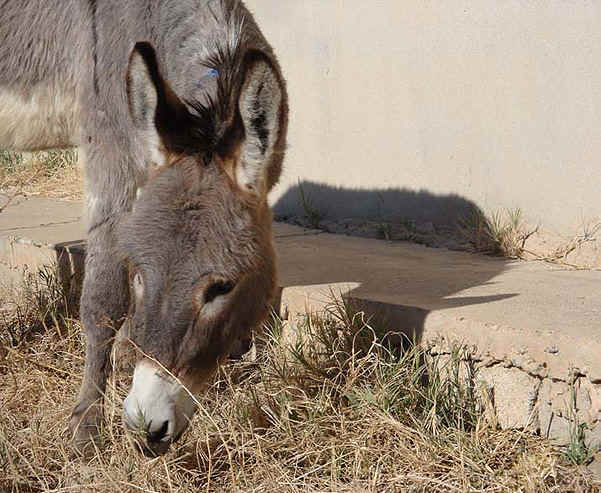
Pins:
x,y
384,279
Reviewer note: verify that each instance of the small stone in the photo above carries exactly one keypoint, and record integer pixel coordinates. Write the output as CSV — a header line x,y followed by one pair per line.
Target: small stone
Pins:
x,y
583,401
592,437
551,350
593,393
328,225
559,430
514,396
595,467
426,228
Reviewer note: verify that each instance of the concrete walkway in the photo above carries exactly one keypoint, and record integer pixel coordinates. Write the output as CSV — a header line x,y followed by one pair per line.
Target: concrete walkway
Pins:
x,y
542,320
507,306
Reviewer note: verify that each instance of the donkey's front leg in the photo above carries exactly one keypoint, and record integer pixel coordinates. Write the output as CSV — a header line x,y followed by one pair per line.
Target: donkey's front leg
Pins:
x,y
104,303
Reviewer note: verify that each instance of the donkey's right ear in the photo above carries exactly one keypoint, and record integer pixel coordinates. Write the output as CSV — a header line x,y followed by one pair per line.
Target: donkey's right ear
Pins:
x,y
153,106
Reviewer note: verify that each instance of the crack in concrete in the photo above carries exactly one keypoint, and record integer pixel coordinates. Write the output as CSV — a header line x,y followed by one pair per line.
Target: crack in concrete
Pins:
x,y
41,225
299,235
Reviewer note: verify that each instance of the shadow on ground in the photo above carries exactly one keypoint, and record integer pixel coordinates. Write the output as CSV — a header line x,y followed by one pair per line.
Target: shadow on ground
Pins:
x,y
396,283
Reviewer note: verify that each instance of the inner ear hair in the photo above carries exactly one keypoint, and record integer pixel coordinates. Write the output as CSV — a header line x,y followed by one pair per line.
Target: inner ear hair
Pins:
x,y
260,108
163,120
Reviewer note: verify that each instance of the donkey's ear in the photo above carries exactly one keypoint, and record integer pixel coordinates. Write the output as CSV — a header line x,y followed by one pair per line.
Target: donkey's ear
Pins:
x,y
262,108
153,106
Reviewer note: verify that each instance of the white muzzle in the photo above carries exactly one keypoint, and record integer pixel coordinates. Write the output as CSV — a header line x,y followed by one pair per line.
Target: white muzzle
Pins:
x,y
157,406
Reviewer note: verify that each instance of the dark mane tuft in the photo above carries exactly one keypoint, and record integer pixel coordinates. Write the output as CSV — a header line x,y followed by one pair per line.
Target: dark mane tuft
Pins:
x,y
212,117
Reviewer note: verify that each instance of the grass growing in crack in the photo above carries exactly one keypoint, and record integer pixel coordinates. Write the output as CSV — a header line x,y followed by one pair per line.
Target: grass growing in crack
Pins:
x,y
313,215
578,451
501,233
342,407
385,229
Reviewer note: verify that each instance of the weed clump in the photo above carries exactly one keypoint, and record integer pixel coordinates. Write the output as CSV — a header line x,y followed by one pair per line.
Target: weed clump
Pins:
x,y
501,233
49,173
39,304
313,215
344,406
578,452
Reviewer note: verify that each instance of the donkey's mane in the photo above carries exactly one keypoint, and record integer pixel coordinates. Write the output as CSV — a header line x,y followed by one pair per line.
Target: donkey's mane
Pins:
x,y
213,115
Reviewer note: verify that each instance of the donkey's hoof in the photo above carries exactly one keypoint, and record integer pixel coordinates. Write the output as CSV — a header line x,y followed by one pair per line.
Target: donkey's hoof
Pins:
x,y
85,427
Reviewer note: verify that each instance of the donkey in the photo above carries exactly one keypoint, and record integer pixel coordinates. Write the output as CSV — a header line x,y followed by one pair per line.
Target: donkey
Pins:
x,y
179,110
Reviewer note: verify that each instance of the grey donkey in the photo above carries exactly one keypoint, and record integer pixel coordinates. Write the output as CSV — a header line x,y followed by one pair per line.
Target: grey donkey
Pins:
x,y
179,110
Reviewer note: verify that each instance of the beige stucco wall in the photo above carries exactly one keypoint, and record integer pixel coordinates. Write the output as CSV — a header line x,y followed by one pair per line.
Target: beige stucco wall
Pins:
x,y
497,102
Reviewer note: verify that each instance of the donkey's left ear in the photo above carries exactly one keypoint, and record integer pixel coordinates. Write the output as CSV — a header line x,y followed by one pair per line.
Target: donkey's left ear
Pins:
x,y
264,112
157,113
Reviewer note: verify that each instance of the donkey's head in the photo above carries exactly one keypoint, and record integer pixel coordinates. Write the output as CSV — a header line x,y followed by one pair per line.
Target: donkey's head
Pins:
x,y
198,239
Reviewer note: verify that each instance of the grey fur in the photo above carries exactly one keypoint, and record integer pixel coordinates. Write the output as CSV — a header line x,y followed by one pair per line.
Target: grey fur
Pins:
x,y
201,219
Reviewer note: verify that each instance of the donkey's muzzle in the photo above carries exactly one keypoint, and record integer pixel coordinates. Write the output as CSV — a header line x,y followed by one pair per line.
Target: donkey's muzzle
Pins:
x,y
157,409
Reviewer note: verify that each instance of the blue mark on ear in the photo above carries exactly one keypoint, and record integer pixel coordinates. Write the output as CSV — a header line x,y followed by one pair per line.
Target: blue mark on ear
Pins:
x,y
212,73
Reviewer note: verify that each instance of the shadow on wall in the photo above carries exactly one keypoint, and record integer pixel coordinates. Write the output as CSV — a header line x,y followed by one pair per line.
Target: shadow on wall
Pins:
x,y
398,284
389,204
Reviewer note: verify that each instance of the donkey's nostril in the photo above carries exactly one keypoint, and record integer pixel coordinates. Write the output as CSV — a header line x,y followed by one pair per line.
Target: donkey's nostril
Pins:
x,y
158,435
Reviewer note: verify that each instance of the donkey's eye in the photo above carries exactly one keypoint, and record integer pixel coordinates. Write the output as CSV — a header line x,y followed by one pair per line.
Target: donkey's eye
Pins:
x,y
220,288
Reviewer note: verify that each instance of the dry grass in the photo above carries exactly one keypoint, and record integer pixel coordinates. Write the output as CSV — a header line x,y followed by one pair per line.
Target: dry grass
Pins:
x,y
560,255
506,233
50,174
501,233
336,410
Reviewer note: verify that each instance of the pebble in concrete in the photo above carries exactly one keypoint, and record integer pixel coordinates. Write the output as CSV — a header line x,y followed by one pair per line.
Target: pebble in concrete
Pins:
x,y
514,393
593,393
552,405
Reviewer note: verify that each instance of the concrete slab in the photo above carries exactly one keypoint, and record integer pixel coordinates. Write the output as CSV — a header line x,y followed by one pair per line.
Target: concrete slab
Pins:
x,y
517,311
36,231
43,221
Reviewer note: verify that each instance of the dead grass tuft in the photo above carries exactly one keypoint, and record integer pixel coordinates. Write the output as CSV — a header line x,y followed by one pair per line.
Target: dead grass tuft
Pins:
x,y
500,233
340,408
560,255
50,174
